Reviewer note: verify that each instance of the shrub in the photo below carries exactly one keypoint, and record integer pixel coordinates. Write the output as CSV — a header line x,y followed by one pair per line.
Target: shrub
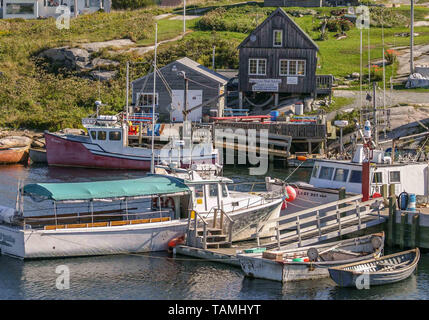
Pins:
x,y
391,56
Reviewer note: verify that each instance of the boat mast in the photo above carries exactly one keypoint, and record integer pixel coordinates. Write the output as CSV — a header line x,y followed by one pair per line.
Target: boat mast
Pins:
x,y
127,91
152,165
412,39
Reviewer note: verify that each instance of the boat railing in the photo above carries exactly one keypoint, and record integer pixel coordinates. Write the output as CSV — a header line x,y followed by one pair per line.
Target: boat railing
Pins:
x,y
193,218
27,221
219,213
322,222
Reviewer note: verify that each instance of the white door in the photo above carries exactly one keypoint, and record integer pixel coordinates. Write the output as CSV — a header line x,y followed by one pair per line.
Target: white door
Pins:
x,y
195,97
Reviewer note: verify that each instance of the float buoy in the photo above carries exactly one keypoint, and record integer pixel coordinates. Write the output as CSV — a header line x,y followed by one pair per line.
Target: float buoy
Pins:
x,y
291,193
376,195
175,242
284,205
301,158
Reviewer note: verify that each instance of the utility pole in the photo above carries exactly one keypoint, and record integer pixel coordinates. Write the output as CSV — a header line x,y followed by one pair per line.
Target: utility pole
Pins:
x,y
213,59
412,39
75,8
184,17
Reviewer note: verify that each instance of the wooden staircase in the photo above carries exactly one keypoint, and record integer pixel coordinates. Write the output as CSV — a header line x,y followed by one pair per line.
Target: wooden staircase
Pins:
x,y
200,235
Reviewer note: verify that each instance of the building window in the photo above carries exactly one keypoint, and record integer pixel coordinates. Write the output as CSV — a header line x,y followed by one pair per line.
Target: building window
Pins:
x,y
395,176
356,176
326,173
51,3
101,135
341,174
292,67
257,67
278,38
146,99
115,135
20,8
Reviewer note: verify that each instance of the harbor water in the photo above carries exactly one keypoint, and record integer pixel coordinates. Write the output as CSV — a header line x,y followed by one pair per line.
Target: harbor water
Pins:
x,y
160,275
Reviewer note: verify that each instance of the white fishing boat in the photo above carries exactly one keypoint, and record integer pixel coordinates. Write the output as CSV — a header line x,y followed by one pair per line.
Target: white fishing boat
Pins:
x,y
125,216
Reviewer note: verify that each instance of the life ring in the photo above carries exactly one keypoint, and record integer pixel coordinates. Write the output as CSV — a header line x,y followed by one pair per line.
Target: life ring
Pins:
x,y
175,242
168,203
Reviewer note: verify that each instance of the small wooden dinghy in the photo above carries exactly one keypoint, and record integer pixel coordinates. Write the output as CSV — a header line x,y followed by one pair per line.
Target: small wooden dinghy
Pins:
x,y
312,262
384,270
38,155
13,155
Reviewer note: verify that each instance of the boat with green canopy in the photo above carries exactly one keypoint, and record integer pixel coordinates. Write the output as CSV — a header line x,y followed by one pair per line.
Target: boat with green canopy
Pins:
x,y
125,216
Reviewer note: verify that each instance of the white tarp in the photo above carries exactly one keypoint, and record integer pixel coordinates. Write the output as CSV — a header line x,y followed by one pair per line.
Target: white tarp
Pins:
x,y
416,80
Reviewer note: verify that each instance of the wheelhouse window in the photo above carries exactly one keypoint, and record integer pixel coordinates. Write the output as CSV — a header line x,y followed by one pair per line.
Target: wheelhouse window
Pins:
x,y
355,176
213,190
199,190
146,99
377,177
115,135
278,38
326,173
257,67
341,174
101,135
289,67
224,191
94,135
395,176
315,170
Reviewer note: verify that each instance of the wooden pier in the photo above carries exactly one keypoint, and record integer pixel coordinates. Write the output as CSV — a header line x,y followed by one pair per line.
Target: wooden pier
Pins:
x,y
342,218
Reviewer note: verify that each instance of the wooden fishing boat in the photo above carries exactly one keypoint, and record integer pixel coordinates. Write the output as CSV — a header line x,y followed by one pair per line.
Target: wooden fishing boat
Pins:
x,y
310,262
13,155
38,155
384,270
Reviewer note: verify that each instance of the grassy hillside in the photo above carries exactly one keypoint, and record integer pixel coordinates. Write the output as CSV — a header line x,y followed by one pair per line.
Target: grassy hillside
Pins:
x,y
33,95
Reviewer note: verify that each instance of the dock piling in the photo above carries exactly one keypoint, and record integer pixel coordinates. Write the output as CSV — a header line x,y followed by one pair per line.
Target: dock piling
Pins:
x,y
404,219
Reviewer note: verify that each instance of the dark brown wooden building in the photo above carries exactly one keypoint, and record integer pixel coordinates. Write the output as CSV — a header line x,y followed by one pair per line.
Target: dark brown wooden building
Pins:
x,y
278,57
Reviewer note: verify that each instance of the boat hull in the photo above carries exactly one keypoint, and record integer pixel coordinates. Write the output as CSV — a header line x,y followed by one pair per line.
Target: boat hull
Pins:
x,y
61,151
38,155
14,155
255,266
137,238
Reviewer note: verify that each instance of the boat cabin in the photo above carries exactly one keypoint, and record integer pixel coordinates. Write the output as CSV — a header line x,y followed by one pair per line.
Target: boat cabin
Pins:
x,y
410,177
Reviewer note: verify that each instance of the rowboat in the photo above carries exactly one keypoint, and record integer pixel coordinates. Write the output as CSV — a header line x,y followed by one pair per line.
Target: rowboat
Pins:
x,y
311,262
13,155
384,270
38,155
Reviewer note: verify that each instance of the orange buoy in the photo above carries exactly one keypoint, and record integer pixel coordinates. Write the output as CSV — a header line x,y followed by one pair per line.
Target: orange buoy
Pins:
x,y
175,241
291,192
301,158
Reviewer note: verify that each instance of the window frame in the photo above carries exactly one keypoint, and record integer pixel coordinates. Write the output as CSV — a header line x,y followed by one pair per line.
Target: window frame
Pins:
x,y
288,62
139,94
350,176
257,67
275,31
390,177
213,186
98,135
116,131
332,172
346,176
93,135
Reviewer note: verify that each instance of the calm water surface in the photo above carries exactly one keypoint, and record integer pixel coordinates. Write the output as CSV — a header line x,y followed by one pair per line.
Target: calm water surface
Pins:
x,y
159,275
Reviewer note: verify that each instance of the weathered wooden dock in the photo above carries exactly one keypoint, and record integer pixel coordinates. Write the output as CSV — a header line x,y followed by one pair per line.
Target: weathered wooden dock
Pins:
x,y
329,221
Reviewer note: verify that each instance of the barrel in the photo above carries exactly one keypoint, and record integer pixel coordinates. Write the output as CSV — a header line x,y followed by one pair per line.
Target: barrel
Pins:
x,y
299,109
274,114
403,201
412,202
